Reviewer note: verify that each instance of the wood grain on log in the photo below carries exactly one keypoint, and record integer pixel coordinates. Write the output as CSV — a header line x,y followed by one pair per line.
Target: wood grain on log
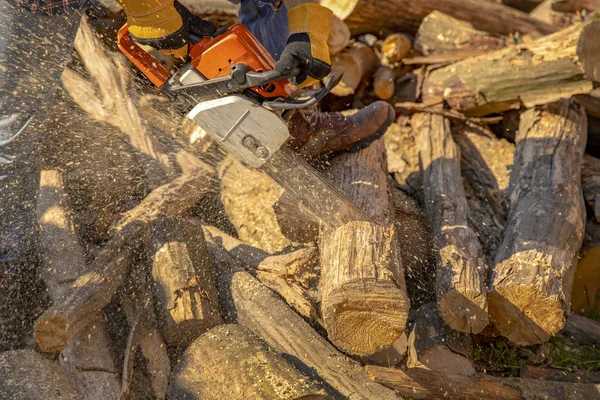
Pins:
x,y
91,292
297,223
230,361
530,288
252,305
418,383
364,16
359,62
394,48
460,290
364,302
185,293
545,70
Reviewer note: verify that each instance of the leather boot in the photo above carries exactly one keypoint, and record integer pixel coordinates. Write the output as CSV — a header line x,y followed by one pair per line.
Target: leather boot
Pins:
x,y
315,134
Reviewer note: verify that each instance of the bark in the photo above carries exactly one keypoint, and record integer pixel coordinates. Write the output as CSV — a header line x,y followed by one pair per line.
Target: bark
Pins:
x,y
185,292
359,62
91,292
364,301
230,361
432,345
364,16
296,222
394,48
583,330
460,272
544,12
87,358
590,182
26,375
572,6
440,33
384,82
530,288
542,71
418,383
550,374
255,307
339,36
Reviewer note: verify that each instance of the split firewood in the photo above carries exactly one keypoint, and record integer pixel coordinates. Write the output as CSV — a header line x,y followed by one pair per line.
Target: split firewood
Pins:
x,y
545,70
359,62
364,16
419,383
460,290
185,293
292,275
296,222
440,33
572,6
590,182
87,359
91,292
339,36
253,369
26,375
434,346
560,375
530,287
364,302
582,329
252,305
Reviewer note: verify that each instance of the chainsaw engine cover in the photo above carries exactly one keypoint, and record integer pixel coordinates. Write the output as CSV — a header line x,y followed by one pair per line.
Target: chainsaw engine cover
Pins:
x,y
250,132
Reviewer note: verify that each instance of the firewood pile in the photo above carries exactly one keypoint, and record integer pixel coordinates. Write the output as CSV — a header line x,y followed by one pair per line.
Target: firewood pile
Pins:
x,y
168,269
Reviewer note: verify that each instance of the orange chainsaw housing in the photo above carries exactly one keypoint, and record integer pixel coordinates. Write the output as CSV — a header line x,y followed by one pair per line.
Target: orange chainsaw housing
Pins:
x,y
213,58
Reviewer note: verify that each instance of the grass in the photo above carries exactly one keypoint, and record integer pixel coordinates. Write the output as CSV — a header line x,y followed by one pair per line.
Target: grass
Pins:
x,y
567,354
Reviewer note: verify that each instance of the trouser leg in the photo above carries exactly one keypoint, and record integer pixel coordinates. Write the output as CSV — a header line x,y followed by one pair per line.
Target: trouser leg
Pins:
x,y
270,27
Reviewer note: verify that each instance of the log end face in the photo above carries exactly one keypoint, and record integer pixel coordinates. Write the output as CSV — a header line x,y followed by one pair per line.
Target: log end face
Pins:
x,y
588,50
365,316
464,312
50,332
523,316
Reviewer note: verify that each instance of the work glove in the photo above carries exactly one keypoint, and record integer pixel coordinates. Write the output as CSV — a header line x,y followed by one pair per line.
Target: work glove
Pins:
x,y
165,25
306,46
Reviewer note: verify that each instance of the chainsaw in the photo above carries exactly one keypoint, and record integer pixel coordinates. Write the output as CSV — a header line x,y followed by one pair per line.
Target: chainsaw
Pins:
x,y
230,89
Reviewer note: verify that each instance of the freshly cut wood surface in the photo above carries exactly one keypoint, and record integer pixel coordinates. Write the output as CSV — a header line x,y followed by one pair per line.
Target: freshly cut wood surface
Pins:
x,y
364,16
460,290
230,361
364,302
359,62
251,304
542,71
530,290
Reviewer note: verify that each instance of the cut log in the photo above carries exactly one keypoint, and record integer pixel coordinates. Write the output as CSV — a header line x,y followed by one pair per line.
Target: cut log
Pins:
x,y
572,6
26,375
531,284
339,36
296,222
252,305
418,383
185,293
432,345
551,374
545,70
394,48
359,62
87,359
230,361
441,33
461,269
364,301
364,16
384,82
583,330
91,292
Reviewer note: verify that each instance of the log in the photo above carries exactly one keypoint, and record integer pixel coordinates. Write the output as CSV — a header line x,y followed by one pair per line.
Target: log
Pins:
x,y
418,383
87,359
394,48
531,283
296,222
582,329
359,62
432,345
90,293
230,361
542,71
384,82
26,375
390,356
185,292
460,272
440,33
364,302
249,303
573,6
590,182
339,36
364,16
551,374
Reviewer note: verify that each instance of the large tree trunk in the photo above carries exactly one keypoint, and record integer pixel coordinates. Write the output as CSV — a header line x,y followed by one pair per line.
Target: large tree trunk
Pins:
x,y
531,284
545,70
460,290
254,306
364,301
230,361
364,16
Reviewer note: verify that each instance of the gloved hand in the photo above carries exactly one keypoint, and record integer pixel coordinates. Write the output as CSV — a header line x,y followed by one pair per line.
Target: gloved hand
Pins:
x,y
165,25
306,46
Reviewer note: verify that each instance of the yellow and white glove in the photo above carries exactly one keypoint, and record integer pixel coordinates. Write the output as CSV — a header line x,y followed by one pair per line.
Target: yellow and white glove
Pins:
x,y
306,46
